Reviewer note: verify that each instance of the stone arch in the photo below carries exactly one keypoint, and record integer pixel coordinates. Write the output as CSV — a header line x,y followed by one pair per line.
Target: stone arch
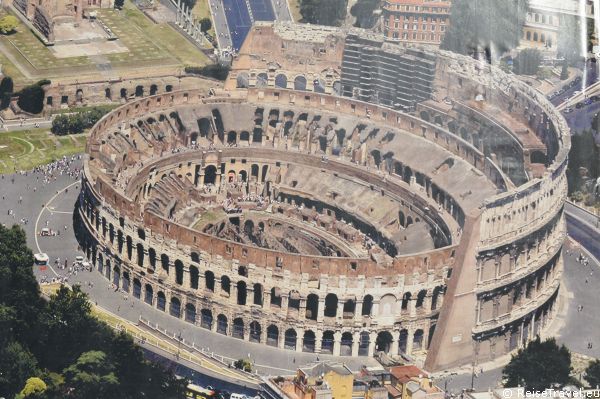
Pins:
x,y
386,305
275,297
210,174
194,277
244,136
179,272
255,331
300,83
402,341
148,295
116,276
289,339
190,313
169,88
327,342
242,80
225,284
421,298
272,335
401,219
209,280
281,81
346,344
232,137
312,306
406,300
265,169
294,300
140,254
222,324
123,93
238,328
175,307
241,292
364,341
243,177
331,304
418,340
349,308
137,288
206,318
152,258
107,93
164,262
309,341
139,91
407,174
384,342
161,301
409,221
125,282
367,305
258,294
538,157
153,89
262,80
318,85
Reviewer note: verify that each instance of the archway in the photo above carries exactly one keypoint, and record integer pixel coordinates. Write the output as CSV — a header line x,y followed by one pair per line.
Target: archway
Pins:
x,y
281,81
258,294
319,86
137,288
367,305
418,340
149,294
179,272
402,341
238,328
312,306
242,80
327,342
363,344
241,292
210,174
206,318
262,80
161,301
331,302
308,341
225,284
175,308
190,313
209,280
222,324
125,282
255,331
383,342
300,83
272,335
346,344
289,341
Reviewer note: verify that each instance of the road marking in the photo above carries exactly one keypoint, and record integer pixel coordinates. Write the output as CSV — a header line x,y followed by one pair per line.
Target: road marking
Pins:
x,y
37,221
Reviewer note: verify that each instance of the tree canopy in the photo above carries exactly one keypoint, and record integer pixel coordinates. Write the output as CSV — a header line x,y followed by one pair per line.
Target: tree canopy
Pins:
x,y
527,62
583,156
486,25
592,374
364,12
62,344
539,366
323,12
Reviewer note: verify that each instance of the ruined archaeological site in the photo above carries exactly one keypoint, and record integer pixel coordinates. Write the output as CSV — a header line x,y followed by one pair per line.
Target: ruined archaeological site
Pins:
x,y
297,209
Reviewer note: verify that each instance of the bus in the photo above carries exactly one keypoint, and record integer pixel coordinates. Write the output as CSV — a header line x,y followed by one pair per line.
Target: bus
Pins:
x,y
41,259
197,392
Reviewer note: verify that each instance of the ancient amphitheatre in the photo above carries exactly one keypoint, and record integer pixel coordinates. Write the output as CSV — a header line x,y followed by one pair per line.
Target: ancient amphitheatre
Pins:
x,y
311,222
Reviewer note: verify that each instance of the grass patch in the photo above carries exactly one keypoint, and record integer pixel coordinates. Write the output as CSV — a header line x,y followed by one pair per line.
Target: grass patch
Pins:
x,y
200,11
27,149
209,217
105,107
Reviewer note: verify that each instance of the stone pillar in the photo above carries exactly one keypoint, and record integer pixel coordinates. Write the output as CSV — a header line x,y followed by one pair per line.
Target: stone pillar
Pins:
x,y
281,339
186,278
284,303
339,314
299,339
337,343
412,306
355,343
375,308
395,342
321,310
372,341
427,303
233,293
409,341
302,311
358,310
266,299
318,341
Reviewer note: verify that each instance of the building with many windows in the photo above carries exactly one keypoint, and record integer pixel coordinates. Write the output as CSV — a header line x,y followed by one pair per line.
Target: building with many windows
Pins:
x,y
416,21
547,18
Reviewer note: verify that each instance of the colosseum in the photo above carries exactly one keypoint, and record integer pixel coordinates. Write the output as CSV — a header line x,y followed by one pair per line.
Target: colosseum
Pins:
x,y
311,221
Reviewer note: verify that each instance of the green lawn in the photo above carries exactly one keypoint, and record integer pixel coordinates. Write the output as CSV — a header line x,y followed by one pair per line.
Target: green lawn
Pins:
x,y
29,148
201,10
147,44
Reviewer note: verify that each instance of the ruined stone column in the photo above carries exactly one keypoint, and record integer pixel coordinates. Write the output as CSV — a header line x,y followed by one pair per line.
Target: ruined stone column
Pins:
x,y
395,342
372,341
355,343
337,343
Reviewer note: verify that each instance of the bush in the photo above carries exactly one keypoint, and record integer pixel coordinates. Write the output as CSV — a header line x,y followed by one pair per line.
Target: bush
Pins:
x,y
31,99
77,123
243,364
8,24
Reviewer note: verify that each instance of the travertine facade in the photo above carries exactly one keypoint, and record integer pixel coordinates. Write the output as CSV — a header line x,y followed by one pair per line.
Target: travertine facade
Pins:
x,y
325,224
